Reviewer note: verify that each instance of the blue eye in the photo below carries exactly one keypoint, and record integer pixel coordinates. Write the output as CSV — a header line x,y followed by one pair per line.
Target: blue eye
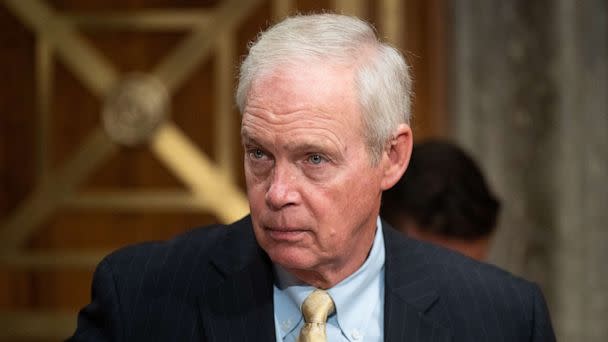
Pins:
x,y
257,153
315,159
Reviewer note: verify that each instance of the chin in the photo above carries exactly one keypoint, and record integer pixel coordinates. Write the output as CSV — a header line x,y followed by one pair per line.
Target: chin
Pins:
x,y
290,257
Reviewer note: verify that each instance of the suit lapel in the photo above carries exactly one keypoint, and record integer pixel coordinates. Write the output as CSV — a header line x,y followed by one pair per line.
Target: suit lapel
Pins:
x,y
409,292
237,301
238,305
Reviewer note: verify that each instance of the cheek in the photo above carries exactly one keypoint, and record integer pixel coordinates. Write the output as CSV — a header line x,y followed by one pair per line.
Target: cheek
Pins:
x,y
340,205
255,192
356,191
353,203
254,178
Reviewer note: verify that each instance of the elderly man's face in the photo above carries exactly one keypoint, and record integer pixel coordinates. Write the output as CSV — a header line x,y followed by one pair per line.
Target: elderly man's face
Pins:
x,y
313,193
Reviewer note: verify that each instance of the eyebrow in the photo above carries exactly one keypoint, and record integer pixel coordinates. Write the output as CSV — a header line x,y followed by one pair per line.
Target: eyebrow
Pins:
x,y
307,146
247,139
293,146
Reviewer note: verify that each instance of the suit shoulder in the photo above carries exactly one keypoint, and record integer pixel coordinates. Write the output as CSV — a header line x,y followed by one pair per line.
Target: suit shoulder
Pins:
x,y
465,281
508,306
151,283
450,269
449,264
197,241
155,268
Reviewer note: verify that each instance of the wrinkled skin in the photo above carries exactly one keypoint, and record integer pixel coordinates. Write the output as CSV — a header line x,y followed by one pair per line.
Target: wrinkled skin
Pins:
x,y
314,194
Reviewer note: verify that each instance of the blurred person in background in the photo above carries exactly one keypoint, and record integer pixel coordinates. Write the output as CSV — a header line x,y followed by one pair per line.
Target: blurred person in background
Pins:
x,y
444,198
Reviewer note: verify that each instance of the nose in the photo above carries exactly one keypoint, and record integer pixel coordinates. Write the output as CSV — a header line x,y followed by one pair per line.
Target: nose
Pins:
x,y
282,191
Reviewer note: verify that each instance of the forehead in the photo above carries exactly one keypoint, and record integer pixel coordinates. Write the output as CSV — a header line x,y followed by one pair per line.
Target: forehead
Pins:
x,y
308,93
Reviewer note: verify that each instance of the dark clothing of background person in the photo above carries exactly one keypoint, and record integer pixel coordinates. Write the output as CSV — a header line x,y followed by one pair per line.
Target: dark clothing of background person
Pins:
x,y
443,198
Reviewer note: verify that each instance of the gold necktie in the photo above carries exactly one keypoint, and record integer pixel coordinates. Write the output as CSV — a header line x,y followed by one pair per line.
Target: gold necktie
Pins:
x,y
315,309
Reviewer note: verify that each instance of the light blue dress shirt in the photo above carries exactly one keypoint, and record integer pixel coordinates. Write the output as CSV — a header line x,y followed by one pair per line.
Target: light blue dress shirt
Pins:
x,y
359,301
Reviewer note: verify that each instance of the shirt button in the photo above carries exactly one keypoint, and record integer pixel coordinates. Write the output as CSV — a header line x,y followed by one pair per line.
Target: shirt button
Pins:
x,y
355,334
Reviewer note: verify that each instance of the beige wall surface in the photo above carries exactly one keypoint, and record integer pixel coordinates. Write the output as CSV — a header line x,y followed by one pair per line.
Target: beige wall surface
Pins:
x,y
528,95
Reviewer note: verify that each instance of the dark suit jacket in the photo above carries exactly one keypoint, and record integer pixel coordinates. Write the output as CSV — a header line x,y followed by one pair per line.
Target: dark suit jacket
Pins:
x,y
215,284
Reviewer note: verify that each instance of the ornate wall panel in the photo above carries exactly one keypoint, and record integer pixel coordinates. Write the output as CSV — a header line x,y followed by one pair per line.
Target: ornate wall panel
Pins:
x,y
117,125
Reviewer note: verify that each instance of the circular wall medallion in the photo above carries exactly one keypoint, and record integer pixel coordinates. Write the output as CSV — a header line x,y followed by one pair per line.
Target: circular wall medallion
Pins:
x,y
135,108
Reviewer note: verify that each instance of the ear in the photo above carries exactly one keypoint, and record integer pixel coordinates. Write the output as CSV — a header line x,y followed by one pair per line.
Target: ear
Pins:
x,y
396,156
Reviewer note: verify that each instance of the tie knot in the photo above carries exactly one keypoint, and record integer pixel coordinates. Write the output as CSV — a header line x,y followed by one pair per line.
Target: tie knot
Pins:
x,y
317,306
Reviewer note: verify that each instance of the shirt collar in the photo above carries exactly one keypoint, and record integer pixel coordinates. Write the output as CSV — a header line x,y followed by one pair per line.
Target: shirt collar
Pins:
x,y
351,314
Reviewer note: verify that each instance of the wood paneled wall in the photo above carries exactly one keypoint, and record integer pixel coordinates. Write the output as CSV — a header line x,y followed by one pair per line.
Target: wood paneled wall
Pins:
x,y
48,113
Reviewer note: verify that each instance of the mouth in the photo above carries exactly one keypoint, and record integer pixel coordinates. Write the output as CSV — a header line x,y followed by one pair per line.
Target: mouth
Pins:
x,y
285,234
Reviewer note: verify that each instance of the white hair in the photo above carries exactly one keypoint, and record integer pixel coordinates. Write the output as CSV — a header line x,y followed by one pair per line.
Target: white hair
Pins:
x,y
381,74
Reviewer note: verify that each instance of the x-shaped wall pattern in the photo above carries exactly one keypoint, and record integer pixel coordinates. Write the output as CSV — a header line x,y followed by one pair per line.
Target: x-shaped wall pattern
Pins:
x,y
211,184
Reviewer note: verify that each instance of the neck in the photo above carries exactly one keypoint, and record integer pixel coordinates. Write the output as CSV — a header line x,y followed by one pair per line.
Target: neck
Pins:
x,y
323,279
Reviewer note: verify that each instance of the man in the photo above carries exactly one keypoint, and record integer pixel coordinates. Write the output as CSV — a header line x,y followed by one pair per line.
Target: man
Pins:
x,y
443,198
324,110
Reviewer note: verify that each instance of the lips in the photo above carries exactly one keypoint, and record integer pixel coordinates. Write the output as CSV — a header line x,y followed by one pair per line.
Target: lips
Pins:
x,y
284,233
